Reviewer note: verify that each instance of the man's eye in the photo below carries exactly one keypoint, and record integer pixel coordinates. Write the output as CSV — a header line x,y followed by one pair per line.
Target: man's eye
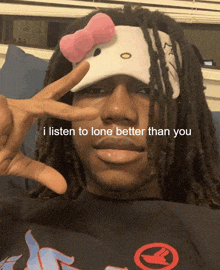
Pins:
x,y
143,91
92,92
95,91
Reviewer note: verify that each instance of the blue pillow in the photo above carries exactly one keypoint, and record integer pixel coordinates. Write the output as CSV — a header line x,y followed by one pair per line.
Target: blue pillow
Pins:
x,y
21,77
22,74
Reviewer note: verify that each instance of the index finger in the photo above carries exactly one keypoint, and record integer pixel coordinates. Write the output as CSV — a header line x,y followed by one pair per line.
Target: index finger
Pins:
x,y
60,87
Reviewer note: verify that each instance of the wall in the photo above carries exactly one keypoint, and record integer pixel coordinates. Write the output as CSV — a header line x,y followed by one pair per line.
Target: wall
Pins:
x,y
213,94
2,60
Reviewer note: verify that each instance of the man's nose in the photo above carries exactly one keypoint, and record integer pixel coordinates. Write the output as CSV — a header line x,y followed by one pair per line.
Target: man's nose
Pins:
x,y
119,107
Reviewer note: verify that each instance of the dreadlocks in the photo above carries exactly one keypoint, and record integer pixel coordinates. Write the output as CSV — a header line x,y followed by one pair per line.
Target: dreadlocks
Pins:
x,y
186,164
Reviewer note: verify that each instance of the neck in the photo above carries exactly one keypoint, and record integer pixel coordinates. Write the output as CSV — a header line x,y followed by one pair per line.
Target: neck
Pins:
x,y
149,190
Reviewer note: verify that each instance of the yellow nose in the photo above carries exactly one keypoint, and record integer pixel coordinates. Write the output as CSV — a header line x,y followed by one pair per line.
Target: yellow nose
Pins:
x,y
125,55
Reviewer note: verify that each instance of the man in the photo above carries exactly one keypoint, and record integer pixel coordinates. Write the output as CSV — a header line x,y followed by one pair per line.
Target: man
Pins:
x,y
144,144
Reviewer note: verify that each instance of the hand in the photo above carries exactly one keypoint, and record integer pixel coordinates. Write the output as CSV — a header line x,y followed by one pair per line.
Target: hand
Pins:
x,y
17,116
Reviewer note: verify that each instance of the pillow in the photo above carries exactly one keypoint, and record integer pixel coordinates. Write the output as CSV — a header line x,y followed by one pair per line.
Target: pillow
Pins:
x,y
22,74
21,77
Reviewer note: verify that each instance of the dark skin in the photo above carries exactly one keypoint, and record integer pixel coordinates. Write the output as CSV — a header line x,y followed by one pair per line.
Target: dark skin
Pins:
x,y
122,102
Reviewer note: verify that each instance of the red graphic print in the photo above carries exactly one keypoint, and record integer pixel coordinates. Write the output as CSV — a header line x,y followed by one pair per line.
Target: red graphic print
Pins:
x,y
146,260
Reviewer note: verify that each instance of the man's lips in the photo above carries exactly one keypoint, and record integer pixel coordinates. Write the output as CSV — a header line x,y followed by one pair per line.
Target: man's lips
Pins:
x,y
118,151
119,144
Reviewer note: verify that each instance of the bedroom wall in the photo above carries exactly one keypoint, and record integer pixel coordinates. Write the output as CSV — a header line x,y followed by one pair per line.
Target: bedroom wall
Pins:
x,y
2,60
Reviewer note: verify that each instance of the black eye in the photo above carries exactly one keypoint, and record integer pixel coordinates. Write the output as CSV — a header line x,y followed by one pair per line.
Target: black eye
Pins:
x,y
143,91
96,91
93,92
97,52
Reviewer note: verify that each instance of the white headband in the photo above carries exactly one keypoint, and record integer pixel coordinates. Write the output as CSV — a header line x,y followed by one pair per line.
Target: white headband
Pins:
x,y
127,54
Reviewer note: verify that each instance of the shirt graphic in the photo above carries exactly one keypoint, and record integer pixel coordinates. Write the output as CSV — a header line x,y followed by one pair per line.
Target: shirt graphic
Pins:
x,y
161,255
44,258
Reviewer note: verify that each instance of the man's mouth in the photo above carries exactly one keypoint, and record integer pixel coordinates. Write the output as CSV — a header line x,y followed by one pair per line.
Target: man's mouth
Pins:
x,y
118,151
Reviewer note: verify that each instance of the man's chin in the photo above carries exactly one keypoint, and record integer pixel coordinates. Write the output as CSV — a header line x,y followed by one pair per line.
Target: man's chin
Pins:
x,y
114,184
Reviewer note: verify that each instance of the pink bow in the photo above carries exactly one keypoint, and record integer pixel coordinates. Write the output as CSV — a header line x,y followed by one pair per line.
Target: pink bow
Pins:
x,y
99,29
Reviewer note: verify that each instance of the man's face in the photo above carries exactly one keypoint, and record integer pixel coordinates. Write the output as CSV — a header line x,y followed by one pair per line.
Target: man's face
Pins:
x,y
116,164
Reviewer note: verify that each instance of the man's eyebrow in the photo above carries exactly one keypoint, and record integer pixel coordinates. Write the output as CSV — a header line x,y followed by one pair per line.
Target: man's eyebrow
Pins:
x,y
89,87
139,83
101,83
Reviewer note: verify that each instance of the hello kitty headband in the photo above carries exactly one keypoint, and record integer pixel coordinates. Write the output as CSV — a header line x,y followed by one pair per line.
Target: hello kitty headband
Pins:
x,y
117,50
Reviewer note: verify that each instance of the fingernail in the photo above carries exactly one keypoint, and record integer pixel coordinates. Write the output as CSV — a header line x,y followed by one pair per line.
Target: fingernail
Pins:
x,y
84,63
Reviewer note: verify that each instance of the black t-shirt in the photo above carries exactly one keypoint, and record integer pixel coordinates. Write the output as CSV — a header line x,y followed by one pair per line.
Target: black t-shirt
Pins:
x,y
95,233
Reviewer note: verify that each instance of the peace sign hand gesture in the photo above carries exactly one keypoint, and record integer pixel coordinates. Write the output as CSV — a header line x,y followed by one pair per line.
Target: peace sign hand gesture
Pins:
x,y
17,116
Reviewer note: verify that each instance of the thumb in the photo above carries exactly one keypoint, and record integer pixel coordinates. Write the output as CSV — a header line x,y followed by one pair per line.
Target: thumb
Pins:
x,y
52,179
40,172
